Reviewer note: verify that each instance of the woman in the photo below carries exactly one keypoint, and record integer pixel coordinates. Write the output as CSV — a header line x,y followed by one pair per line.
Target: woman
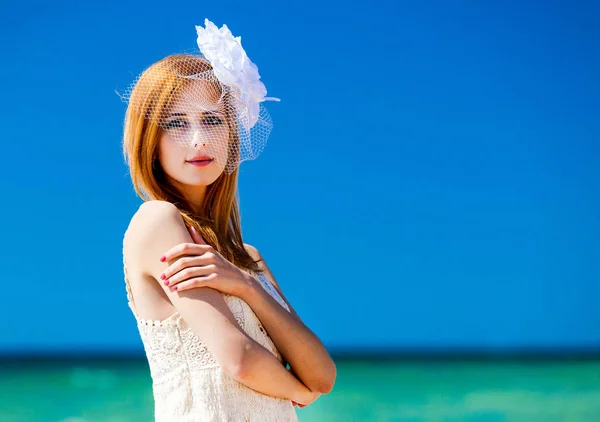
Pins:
x,y
216,328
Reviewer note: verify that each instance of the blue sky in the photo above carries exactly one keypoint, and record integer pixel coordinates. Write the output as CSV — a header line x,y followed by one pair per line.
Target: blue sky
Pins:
x,y
432,180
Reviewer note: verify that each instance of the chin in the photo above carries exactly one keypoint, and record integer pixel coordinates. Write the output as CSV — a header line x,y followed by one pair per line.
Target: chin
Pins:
x,y
204,177
203,180
197,182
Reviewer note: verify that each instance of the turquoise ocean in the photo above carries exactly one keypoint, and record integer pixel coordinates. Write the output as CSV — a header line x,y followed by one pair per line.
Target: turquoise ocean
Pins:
x,y
413,390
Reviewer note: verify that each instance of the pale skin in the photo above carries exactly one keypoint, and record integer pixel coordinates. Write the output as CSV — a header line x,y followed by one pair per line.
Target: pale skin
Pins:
x,y
171,269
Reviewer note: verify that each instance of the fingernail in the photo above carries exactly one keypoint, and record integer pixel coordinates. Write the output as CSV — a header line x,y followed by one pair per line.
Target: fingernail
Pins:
x,y
162,259
166,282
162,277
174,288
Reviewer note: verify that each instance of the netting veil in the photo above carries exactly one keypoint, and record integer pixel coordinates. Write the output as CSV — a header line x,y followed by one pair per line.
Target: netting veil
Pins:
x,y
212,101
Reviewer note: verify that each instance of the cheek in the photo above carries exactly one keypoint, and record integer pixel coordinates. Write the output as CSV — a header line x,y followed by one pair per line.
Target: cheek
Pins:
x,y
169,153
220,146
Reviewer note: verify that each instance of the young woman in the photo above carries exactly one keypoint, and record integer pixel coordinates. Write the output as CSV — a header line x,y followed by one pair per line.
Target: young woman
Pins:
x,y
217,330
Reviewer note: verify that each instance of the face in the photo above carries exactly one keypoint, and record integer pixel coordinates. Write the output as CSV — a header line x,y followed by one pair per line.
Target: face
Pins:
x,y
194,138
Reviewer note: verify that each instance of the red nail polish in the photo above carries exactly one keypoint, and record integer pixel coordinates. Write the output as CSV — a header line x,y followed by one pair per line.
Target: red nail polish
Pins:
x,y
174,288
162,259
162,277
166,282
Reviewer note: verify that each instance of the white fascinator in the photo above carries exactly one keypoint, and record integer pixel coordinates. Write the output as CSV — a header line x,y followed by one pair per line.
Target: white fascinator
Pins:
x,y
197,98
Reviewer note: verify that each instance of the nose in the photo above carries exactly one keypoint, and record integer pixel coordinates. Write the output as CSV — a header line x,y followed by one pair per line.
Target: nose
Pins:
x,y
197,141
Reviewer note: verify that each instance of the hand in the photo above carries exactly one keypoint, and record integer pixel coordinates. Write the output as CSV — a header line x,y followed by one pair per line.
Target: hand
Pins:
x,y
200,265
298,404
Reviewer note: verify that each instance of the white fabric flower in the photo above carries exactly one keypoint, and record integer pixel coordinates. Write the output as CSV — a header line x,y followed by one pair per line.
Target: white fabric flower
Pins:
x,y
233,68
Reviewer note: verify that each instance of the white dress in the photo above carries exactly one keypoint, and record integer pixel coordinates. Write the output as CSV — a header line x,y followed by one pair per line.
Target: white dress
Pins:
x,y
188,384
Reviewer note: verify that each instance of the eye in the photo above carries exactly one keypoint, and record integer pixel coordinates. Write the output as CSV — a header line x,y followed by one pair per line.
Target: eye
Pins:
x,y
175,124
212,121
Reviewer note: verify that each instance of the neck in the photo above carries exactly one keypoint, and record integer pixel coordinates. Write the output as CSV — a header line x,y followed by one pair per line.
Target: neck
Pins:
x,y
195,197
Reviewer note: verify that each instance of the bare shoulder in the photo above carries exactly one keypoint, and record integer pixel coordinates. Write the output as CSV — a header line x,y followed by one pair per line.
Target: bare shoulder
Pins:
x,y
151,218
254,253
152,212
149,215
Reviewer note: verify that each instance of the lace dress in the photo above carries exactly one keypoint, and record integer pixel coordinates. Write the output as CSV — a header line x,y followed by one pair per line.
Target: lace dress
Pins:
x,y
188,384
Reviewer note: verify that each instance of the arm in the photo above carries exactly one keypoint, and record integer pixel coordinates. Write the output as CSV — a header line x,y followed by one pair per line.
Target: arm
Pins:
x,y
300,347
158,226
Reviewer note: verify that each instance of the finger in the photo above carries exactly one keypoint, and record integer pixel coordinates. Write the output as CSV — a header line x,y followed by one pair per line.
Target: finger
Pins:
x,y
184,249
186,262
189,273
193,283
196,236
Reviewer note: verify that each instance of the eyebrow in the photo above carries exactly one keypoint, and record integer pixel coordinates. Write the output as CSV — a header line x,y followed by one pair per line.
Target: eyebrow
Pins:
x,y
209,112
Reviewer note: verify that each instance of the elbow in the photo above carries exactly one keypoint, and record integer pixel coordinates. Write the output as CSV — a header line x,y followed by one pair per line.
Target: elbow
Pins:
x,y
325,383
239,365
322,387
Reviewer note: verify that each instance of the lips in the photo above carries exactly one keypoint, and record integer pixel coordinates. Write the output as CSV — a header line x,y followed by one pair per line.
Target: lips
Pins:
x,y
200,160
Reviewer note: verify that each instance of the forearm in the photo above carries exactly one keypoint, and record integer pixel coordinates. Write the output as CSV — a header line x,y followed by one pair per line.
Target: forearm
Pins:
x,y
299,346
261,371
